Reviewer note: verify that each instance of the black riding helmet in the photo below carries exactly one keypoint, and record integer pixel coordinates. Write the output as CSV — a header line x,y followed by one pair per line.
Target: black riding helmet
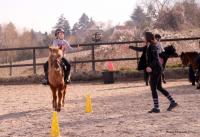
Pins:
x,y
58,31
149,36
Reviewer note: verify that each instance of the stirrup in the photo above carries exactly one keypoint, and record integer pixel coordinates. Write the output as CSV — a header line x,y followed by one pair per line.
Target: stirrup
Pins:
x,y
45,82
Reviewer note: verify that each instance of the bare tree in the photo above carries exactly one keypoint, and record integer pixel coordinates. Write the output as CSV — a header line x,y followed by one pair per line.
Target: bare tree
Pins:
x,y
9,38
153,7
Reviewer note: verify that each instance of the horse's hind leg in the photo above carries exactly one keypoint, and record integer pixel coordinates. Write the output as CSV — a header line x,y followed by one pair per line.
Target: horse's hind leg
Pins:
x,y
198,85
163,78
54,101
63,96
191,75
198,79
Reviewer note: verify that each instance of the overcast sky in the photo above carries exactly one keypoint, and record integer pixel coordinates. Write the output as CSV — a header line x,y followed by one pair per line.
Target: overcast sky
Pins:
x,y
41,15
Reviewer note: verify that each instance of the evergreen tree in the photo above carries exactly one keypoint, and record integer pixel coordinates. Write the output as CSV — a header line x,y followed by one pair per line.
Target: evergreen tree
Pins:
x,y
83,23
140,19
75,28
64,24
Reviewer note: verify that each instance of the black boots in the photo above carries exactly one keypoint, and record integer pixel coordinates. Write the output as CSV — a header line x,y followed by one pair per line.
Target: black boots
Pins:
x,y
154,110
172,106
67,79
67,75
45,81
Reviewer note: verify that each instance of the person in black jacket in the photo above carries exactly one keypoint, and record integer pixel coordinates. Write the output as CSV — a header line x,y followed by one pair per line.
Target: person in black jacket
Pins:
x,y
154,68
142,61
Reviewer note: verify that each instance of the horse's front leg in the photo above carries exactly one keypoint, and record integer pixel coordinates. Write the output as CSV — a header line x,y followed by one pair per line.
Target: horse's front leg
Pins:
x,y
163,78
54,101
60,90
198,79
198,85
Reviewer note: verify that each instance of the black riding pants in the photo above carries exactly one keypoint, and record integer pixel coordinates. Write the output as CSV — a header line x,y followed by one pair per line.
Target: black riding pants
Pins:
x,y
67,69
156,83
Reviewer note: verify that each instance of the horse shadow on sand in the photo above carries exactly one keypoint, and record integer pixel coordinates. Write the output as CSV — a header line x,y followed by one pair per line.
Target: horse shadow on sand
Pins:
x,y
16,115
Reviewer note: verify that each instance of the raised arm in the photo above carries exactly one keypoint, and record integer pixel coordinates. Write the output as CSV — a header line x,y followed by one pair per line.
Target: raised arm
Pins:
x,y
70,49
140,49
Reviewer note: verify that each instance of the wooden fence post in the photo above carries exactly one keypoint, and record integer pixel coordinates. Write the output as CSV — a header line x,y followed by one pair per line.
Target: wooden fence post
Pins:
x,y
137,54
34,62
93,58
10,66
75,64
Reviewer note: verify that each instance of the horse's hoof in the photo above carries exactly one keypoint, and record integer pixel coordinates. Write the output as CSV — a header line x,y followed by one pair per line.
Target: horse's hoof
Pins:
x,y
58,109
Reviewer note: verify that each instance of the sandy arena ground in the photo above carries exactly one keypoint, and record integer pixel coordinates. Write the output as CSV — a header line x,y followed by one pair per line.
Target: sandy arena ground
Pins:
x,y
119,110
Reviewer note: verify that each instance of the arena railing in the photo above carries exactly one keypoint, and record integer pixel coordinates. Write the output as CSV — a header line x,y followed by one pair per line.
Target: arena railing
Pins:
x,y
93,61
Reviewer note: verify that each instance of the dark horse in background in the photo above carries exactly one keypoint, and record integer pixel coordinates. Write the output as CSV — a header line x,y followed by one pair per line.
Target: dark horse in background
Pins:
x,y
170,51
192,59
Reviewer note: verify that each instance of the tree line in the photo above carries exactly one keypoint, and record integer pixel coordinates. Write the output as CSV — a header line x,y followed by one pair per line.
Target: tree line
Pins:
x,y
171,15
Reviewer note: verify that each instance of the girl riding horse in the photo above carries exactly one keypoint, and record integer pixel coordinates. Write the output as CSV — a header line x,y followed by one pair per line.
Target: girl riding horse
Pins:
x,y
65,47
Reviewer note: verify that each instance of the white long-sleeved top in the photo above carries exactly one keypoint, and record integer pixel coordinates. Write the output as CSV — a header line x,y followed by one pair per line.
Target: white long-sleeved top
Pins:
x,y
160,48
63,43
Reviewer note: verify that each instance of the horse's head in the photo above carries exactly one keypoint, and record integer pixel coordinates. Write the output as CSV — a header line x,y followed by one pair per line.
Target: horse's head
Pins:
x,y
184,59
55,56
171,51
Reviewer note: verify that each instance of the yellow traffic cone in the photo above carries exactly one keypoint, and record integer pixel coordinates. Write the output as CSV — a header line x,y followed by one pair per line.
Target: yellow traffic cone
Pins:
x,y
88,107
55,131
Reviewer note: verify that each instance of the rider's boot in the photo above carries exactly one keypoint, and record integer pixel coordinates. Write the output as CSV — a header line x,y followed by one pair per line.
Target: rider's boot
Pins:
x,y
67,77
45,81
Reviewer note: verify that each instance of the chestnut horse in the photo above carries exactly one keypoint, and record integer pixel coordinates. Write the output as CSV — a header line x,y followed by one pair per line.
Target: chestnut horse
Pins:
x,y
56,77
190,59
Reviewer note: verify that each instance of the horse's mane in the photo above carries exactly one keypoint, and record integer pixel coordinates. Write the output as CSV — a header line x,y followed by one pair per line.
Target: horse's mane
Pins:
x,y
167,47
191,53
